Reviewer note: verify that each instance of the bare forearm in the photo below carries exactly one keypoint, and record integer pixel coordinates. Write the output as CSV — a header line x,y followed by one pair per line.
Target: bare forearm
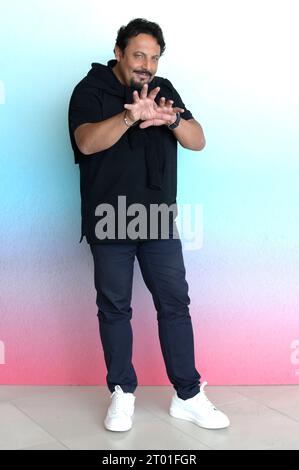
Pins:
x,y
99,136
190,135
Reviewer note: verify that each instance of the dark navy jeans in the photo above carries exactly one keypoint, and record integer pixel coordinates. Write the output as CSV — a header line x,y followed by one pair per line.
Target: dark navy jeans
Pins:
x,y
162,267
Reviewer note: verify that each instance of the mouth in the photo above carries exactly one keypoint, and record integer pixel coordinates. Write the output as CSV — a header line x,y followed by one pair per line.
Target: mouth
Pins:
x,y
142,75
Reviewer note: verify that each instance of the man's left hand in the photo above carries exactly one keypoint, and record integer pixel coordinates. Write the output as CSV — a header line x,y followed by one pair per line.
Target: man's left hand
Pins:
x,y
166,107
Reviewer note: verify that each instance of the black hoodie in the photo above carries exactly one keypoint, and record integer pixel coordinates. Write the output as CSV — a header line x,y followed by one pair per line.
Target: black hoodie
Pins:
x,y
141,165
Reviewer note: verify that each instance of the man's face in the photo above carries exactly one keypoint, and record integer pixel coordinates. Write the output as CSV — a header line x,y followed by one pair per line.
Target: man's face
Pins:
x,y
139,62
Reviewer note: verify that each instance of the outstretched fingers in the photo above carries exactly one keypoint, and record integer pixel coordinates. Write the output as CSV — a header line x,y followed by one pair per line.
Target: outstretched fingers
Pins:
x,y
145,124
136,98
143,93
129,106
152,95
167,103
164,115
165,111
178,110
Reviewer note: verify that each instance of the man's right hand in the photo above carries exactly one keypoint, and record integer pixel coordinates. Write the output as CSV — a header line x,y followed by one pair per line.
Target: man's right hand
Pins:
x,y
145,108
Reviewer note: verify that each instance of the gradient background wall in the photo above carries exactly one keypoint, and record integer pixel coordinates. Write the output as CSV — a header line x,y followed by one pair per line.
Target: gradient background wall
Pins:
x,y
235,64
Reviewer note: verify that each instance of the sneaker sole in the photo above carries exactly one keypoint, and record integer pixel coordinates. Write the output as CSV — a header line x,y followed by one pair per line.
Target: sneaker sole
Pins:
x,y
118,429
181,415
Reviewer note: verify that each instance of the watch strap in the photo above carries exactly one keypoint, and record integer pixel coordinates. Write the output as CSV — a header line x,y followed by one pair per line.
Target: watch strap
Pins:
x,y
176,122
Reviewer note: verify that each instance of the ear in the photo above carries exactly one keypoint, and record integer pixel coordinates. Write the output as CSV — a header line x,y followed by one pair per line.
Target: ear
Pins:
x,y
117,53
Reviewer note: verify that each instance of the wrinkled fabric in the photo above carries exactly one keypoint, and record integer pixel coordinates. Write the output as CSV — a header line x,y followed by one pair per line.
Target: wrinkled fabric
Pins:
x,y
141,165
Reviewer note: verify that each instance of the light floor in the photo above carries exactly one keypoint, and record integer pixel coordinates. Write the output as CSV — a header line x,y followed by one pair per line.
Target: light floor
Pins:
x,y
69,417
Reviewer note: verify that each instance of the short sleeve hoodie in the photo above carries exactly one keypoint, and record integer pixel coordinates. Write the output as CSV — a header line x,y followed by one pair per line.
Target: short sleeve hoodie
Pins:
x,y
141,166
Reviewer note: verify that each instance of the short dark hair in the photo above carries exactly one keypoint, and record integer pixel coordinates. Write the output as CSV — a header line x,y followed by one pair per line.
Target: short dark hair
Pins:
x,y
138,26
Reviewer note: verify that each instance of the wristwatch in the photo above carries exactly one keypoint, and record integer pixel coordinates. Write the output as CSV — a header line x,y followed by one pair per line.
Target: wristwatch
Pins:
x,y
176,122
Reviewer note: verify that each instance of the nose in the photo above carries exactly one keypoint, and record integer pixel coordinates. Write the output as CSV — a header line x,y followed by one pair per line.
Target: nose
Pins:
x,y
146,65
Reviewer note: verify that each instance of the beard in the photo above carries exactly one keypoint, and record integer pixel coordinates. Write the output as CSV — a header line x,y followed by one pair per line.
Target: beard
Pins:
x,y
138,85
135,85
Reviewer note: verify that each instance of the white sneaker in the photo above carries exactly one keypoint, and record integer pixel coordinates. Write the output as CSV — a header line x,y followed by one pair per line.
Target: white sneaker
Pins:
x,y
121,410
199,410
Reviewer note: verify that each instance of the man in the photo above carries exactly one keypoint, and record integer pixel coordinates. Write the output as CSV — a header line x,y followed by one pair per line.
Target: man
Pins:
x,y
124,124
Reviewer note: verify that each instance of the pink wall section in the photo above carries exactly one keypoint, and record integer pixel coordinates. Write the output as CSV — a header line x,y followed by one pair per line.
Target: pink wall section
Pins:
x,y
238,339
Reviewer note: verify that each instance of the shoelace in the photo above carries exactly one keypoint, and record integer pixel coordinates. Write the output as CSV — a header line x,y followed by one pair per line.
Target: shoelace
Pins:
x,y
202,396
119,403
